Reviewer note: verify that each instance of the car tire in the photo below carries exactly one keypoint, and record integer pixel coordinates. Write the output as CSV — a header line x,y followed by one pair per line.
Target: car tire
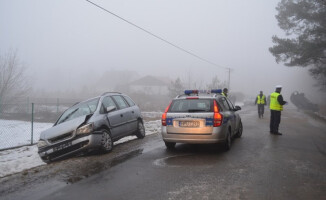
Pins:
x,y
170,145
140,130
228,140
106,141
240,129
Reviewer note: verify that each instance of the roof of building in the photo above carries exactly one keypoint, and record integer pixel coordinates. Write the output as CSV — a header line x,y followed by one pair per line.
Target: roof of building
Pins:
x,y
149,81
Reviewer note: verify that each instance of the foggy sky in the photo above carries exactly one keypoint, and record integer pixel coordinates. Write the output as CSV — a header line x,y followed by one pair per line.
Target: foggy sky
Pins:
x,y
68,43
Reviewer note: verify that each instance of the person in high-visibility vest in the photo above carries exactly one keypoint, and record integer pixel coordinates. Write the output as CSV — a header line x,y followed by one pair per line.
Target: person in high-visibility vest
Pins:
x,y
261,102
276,106
225,92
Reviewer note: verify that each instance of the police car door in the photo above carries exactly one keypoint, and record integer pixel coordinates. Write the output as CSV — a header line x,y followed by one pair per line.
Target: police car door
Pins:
x,y
228,113
234,115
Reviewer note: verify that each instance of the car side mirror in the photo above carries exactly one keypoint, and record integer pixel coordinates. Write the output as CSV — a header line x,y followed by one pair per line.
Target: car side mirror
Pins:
x,y
110,108
236,108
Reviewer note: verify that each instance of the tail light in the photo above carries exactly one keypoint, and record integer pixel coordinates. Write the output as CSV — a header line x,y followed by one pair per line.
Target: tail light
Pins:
x,y
218,117
164,115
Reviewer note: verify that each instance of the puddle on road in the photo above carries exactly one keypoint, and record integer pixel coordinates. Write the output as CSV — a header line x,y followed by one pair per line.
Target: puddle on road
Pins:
x,y
185,160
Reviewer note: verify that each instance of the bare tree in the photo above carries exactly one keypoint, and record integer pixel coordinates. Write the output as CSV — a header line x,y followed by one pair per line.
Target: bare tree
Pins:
x,y
175,88
216,83
13,81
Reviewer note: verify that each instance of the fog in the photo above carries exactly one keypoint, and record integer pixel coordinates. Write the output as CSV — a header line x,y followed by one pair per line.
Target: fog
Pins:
x,y
69,44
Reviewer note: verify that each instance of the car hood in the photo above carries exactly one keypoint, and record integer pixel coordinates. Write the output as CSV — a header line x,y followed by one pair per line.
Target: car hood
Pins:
x,y
62,128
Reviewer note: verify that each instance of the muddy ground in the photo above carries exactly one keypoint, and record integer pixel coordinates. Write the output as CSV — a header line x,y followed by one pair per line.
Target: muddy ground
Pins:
x,y
72,170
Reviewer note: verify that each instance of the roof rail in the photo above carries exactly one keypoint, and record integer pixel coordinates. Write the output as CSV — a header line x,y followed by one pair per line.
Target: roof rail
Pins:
x,y
110,92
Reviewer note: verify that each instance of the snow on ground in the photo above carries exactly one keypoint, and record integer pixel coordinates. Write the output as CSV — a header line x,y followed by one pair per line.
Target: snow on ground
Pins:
x,y
19,159
152,114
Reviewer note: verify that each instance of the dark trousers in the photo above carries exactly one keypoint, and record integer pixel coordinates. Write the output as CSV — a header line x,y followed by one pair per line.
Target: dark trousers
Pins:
x,y
275,121
261,109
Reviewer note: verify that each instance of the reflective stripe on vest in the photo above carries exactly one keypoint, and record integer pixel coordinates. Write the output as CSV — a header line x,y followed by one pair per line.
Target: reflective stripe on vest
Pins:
x,y
261,100
275,105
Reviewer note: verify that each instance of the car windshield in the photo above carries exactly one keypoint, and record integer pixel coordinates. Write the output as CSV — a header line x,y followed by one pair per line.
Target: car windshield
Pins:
x,y
191,105
78,110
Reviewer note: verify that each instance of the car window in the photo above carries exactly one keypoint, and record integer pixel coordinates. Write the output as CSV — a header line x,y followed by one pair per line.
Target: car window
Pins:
x,y
120,101
80,109
129,100
191,105
107,101
224,103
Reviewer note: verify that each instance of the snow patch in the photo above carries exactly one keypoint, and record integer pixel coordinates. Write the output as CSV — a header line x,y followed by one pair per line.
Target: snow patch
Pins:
x,y
20,159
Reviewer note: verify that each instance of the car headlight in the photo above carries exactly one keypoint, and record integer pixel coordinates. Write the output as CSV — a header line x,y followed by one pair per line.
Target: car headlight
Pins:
x,y
41,143
85,129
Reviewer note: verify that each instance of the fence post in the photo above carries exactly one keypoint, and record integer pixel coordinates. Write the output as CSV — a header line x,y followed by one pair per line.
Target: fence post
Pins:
x,y
32,123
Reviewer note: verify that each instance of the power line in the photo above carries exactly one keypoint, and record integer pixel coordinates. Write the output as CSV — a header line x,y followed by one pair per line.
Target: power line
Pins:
x,y
158,37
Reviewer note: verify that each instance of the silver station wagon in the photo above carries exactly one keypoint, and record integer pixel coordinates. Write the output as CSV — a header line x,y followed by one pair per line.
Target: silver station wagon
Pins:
x,y
201,117
93,124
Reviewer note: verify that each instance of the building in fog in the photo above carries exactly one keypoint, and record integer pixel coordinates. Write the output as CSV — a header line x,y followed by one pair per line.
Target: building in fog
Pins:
x,y
149,85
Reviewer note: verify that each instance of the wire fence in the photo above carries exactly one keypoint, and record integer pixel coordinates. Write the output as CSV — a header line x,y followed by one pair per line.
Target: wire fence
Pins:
x,y
22,121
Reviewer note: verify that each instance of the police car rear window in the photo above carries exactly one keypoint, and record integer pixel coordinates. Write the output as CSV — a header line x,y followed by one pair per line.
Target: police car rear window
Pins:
x,y
192,105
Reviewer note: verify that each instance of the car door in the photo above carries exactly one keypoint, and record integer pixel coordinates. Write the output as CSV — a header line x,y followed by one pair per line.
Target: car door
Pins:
x,y
233,115
134,112
115,118
124,113
236,116
228,115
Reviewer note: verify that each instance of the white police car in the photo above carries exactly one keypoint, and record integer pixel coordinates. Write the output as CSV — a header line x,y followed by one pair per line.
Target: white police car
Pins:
x,y
201,117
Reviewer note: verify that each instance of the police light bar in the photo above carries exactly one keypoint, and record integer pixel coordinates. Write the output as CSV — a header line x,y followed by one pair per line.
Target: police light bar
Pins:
x,y
219,91
188,92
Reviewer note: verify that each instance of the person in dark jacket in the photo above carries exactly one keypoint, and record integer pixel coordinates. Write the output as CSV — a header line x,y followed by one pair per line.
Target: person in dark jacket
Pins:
x,y
261,102
276,106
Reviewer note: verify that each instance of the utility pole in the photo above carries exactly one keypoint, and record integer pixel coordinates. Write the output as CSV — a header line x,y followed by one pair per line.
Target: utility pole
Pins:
x,y
229,80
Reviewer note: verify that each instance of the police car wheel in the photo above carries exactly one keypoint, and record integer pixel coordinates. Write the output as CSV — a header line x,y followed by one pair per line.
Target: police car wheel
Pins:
x,y
239,133
140,130
170,145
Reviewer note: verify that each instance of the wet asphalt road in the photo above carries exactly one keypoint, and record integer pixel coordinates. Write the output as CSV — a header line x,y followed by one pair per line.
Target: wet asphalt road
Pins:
x,y
258,166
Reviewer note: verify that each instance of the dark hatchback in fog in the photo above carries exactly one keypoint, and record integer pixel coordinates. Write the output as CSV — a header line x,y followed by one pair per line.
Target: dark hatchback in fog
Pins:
x,y
93,124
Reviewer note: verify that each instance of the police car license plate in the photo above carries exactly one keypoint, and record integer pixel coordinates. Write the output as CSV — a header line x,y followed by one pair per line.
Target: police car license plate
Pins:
x,y
62,146
189,123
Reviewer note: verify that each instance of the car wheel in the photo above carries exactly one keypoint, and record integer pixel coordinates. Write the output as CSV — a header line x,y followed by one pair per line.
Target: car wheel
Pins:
x,y
239,133
227,144
106,141
140,130
170,145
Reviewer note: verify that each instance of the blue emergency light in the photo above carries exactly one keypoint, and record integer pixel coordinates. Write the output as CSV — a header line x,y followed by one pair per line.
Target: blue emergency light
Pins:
x,y
188,92
219,91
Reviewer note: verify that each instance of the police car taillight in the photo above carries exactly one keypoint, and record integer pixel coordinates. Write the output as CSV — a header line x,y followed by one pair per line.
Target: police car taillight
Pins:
x,y
164,115
218,117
